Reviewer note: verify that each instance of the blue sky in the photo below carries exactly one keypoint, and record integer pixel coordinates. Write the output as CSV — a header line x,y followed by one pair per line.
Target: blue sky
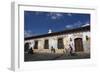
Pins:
x,y
37,23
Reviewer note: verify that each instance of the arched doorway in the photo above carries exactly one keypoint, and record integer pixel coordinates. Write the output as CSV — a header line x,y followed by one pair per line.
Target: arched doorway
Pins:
x,y
78,45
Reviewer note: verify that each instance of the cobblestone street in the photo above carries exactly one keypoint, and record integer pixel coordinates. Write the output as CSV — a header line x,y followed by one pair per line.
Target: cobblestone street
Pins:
x,y
41,57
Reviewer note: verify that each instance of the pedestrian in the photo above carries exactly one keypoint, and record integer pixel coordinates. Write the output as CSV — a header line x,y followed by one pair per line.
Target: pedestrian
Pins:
x,y
30,48
52,49
71,50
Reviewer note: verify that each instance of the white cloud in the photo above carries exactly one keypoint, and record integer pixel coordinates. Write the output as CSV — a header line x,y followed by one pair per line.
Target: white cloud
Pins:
x,y
27,33
77,24
80,24
69,14
54,15
74,25
59,14
68,26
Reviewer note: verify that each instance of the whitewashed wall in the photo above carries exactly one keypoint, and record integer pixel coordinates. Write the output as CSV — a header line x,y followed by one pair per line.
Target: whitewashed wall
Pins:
x,y
86,44
66,40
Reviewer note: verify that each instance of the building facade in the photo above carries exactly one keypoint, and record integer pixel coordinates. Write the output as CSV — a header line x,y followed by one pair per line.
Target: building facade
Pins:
x,y
60,42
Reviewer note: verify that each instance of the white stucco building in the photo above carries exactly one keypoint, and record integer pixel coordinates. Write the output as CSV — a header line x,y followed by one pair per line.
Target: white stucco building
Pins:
x,y
78,38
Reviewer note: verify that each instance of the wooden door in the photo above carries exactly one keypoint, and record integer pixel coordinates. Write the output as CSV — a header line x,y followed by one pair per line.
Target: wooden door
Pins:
x,y
78,45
